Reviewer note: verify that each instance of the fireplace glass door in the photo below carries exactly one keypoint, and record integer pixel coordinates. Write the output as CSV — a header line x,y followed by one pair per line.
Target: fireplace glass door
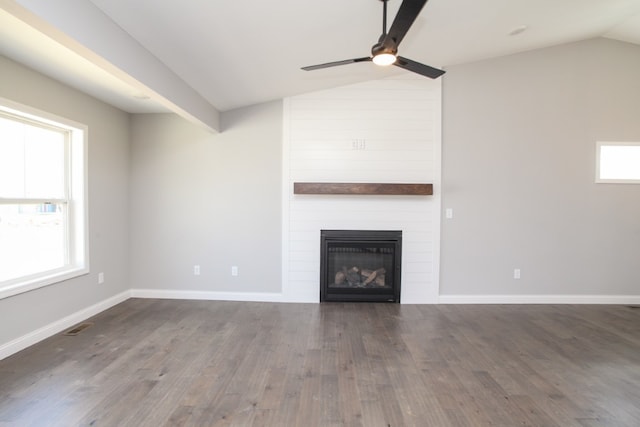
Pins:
x,y
360,265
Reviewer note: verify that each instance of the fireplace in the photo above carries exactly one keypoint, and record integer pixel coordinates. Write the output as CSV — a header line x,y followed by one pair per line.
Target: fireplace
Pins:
x,y
360,265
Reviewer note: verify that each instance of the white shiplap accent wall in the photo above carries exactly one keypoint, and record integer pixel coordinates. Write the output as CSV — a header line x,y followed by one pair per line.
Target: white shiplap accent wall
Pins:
x,y
380,131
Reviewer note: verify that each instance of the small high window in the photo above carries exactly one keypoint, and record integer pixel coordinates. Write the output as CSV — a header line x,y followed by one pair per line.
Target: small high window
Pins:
x,y
618,162
42,199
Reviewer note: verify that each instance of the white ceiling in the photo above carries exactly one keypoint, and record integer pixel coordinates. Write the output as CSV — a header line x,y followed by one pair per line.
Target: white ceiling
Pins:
x,y
238,53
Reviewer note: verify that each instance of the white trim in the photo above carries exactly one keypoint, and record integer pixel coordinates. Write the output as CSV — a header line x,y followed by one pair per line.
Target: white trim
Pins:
x,y
27,201
24,284
77,194
39,116
53,328
208,295
437,200
286,188
540,299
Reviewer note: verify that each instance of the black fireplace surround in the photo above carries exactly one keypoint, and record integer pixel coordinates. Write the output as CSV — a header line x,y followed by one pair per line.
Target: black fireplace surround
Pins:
x,y
360,265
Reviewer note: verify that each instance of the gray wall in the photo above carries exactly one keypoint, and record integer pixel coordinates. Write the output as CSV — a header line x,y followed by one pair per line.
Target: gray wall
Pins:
x,y
519,137
208,199
108,202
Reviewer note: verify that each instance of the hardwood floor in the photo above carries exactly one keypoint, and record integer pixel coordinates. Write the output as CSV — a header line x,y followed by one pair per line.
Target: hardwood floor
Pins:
x,y
212,363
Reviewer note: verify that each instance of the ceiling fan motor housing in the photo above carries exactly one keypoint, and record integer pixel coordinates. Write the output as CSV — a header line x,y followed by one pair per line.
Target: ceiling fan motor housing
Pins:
x,y
380,48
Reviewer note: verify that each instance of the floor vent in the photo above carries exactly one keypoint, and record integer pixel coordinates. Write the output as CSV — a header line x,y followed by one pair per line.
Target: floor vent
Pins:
x,y
77,329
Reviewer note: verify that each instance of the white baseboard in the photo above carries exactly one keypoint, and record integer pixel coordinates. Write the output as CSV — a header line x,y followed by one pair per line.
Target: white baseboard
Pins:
x,y
442,299
540,299
40,334
208,295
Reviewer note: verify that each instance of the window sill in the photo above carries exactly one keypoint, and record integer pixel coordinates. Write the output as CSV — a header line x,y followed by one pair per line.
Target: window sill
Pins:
x,y
25,284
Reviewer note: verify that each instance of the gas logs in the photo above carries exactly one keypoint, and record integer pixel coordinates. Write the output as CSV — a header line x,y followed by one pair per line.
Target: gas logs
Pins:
x,y
355,277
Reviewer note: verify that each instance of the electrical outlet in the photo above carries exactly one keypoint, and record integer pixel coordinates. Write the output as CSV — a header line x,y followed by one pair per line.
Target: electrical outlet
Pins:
x,y
516,273
448,213
234,270
100,278
196,270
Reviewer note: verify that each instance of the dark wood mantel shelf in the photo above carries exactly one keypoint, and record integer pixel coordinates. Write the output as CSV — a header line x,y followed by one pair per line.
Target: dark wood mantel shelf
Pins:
x,y
362,188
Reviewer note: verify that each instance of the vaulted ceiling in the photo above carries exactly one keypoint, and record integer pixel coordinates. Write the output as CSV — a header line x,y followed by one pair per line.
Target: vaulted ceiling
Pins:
x,y
221,55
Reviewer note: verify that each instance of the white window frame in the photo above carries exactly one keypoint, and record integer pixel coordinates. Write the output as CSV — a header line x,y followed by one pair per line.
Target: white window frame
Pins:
x,y
599,145
77,263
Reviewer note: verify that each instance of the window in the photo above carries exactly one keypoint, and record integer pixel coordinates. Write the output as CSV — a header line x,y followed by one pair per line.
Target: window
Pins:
x,y
43,224
618,162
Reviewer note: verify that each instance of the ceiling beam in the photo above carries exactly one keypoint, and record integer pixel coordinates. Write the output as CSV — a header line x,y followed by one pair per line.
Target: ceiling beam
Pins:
x,y
84,29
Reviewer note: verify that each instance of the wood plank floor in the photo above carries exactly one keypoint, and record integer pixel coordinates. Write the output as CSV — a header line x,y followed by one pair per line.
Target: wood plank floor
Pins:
x,y
213,363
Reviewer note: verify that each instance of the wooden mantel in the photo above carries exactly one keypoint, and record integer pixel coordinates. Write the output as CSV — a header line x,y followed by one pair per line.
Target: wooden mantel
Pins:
x,y
362,188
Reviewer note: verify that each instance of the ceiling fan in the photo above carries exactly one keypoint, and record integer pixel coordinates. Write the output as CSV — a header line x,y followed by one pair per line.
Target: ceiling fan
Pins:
x,y
385,52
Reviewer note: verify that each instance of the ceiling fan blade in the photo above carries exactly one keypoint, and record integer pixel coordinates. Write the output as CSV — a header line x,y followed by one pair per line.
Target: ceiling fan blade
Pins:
x,y
336,63
416,67
409,10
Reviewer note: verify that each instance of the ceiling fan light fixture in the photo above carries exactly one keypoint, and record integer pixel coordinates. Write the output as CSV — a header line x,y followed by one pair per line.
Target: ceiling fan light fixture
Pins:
x,y
384,59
